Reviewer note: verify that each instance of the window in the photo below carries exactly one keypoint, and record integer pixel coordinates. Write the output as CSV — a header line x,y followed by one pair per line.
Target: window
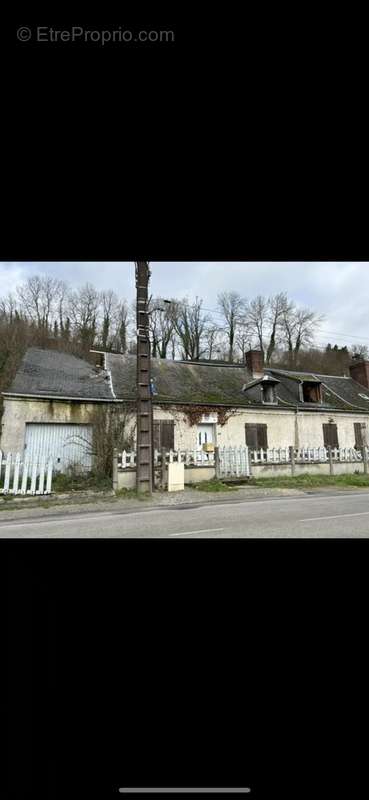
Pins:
x,y
164,434
256,436
269,394
330,435
206,418
311,392
359,441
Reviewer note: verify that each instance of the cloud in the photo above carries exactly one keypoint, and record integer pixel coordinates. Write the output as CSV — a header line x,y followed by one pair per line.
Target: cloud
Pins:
x,y
11,274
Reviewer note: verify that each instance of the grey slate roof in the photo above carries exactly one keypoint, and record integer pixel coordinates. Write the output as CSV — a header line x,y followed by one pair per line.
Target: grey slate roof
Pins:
x,y
181,381
55,374
338,392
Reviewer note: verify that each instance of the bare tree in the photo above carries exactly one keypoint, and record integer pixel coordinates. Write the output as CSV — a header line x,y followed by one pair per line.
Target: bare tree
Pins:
x,y
110,305
256,320
211,339
243,341
62,296
161,324
190,323
232,307
299,329
263,323
8,307
173,345
122,321
359,351
278,307
38,296
84,305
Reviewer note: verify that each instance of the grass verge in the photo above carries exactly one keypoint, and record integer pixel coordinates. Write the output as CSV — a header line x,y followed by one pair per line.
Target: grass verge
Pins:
x,y
74,482
213,486
133,494
313,481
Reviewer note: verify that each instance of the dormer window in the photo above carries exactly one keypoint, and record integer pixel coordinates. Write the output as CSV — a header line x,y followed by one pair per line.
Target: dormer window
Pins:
x,y
311,392
269,394
264,390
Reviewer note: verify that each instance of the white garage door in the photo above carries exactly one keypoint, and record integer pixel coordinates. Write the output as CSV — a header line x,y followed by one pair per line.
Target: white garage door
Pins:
x,y
67,445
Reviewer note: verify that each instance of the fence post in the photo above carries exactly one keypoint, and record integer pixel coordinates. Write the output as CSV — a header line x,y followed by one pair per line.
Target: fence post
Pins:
x,y
365,459
248,462
330,457
292,459
217,462
115,469
162,477
49,477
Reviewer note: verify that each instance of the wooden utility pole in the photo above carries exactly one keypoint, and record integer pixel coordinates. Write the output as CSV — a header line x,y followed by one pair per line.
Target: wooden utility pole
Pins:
x,y
144,454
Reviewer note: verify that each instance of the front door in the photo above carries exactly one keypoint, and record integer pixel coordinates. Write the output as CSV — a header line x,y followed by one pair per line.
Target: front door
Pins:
x,y
205,435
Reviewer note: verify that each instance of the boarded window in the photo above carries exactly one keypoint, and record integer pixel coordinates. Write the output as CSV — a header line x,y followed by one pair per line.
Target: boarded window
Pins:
x,y
164,434
330,435
256,436
358,435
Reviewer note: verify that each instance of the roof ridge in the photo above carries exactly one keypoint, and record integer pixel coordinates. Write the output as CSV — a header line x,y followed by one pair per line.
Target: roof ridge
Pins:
x,y
310,372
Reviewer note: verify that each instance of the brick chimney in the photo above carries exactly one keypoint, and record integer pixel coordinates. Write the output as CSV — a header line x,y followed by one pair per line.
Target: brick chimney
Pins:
x,y
255,364
359,371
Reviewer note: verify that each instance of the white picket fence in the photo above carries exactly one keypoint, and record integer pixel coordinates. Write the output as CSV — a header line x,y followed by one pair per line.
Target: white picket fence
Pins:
x,y
277,455
303,455
127,459
19,476
234,462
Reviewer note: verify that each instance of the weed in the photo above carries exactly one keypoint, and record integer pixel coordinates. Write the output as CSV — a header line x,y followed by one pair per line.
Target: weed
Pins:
x,y
214,485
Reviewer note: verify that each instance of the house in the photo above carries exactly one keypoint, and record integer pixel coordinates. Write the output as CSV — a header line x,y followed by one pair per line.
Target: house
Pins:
x,y
49,408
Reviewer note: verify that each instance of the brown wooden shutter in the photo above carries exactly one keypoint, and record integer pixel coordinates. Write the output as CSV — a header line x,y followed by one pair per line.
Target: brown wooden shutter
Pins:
x,y
167,434
358,435
262,437
330,435
157,443
256,436
251,436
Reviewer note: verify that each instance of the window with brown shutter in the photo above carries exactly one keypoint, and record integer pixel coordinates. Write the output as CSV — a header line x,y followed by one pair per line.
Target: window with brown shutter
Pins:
x,y
167,434
164,434
156,435
330,435
358,435
256,436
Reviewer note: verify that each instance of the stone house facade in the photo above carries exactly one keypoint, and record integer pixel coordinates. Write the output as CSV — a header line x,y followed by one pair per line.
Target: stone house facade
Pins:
x,y
55,395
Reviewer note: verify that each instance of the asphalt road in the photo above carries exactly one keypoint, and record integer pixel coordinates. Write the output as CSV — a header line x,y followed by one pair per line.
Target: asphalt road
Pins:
x,y
313,516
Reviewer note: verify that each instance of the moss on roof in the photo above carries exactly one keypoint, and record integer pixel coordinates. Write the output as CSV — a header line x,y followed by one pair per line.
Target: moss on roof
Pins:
x,y
181,382
56,374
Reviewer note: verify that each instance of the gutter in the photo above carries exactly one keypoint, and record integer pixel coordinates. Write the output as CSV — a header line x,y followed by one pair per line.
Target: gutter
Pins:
x,y
249,406
291,407
61,398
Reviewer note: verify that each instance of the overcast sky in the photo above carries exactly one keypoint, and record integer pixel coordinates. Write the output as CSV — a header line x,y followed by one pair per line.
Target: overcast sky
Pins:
x,y
339,290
